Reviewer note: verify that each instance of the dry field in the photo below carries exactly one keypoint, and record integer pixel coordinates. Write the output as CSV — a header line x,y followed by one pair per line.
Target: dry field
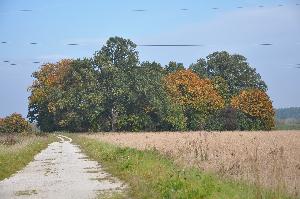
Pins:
x,y
270,159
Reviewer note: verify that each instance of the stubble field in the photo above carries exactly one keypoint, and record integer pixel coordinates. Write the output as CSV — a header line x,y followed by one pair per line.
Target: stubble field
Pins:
x,y
265,159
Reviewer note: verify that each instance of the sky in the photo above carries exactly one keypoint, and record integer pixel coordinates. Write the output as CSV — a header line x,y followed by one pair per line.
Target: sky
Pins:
x,y
53,24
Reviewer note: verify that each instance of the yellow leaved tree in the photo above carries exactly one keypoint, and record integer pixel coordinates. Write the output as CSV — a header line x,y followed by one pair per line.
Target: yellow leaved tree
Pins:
x,y
255,103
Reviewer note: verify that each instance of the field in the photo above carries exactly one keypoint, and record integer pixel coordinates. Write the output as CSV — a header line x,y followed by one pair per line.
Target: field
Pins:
x,y
266,159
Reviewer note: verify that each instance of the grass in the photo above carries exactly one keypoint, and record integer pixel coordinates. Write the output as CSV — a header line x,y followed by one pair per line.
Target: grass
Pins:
x,y
15,157
152,175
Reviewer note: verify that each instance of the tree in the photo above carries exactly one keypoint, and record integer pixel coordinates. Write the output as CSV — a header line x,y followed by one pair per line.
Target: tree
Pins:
x,y
117,64
255,104
173,67
187,88
66,96
221,86
113,91
234,69
153,103
43,91
197,95
77,104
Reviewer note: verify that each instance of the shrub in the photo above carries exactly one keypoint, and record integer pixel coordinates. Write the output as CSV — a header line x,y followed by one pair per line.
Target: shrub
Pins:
x,y
14,123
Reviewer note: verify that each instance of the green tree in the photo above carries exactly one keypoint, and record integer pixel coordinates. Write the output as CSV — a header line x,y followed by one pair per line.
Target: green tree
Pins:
x,y
77,102
234,69
117,64
174,66
153,103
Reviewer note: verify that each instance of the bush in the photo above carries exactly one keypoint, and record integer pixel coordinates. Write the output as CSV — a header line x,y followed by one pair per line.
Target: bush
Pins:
x,y
14,123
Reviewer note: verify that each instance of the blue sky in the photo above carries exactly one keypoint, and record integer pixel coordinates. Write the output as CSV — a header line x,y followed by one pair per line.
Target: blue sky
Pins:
x,y
53,24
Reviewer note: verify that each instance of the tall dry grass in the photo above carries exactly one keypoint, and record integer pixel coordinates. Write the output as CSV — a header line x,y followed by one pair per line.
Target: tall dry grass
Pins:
x,y
265,159
13,143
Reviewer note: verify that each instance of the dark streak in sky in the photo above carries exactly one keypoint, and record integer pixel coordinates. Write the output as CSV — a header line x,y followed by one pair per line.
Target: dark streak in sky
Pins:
x,y
266,44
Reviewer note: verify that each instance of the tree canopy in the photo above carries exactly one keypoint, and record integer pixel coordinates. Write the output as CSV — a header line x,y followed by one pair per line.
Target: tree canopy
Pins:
x,y
234,69
114,91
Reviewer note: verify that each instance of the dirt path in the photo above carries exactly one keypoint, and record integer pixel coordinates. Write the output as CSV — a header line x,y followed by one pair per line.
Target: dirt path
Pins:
x,y
60,171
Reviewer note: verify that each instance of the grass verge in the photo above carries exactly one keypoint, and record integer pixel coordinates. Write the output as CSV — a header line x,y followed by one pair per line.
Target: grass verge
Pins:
x,y
15,157
152,175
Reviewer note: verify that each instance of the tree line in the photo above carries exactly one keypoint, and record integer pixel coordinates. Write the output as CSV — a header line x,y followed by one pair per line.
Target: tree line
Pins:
x,y
114,91
288,113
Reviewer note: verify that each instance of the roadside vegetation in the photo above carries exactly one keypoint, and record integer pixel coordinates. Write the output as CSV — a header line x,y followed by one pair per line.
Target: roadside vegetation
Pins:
x,y
152,175
16,151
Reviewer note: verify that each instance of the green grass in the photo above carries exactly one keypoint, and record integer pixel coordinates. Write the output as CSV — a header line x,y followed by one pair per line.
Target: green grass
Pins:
x,y
152,175
15,157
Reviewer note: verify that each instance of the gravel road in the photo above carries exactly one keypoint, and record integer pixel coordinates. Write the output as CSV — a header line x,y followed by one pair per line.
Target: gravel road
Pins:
x,y
60,171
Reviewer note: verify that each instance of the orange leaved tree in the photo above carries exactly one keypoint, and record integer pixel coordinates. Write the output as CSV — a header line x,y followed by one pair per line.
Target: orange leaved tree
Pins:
x,y
255,103
48,82
198,96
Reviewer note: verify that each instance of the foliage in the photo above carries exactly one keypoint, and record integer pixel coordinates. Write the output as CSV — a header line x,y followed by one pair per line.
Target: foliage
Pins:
x,y
257,105
43,90
223,119
173,67
65,96
117,65
234,69
113,91
14,123
77,102
151,103
196,95
186,88
221,86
